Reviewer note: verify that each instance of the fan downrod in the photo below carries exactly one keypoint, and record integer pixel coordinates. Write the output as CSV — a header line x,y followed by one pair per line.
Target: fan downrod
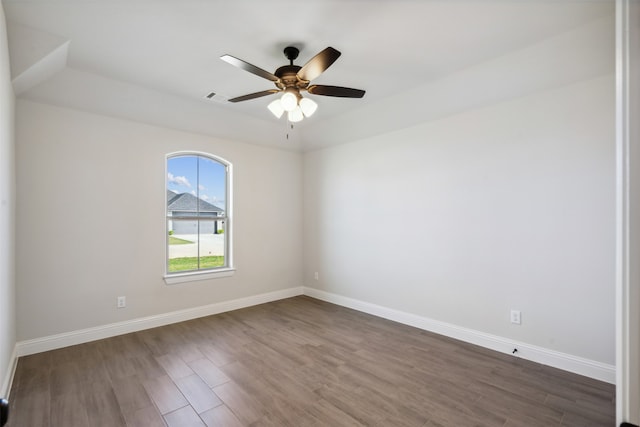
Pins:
x,y
291,52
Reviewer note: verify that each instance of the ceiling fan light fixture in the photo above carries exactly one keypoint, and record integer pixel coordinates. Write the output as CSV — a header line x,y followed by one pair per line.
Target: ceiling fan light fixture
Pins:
x,y
308,106
289,99
295,115
276,108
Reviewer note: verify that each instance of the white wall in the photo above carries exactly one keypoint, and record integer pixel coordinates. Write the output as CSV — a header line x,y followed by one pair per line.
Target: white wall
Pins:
x,y
7,214
90,207
459,220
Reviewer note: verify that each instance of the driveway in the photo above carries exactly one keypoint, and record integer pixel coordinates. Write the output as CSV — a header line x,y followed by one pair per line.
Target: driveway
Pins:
x,y
210,244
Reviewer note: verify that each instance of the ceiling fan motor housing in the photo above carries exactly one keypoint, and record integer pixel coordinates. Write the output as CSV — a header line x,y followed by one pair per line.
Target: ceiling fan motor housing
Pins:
x,y
288,75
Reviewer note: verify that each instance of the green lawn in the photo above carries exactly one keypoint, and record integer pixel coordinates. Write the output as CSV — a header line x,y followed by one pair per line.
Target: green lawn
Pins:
x,y
191,263
177,241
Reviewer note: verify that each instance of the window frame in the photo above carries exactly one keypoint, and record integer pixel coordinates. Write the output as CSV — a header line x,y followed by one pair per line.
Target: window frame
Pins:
x,y
210,273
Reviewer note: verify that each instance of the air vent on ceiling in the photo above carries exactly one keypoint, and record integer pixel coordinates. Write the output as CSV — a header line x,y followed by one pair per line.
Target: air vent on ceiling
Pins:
x,y
212,96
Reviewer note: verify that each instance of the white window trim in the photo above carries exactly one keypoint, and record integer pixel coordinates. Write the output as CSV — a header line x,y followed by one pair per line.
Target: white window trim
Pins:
x,y
192,276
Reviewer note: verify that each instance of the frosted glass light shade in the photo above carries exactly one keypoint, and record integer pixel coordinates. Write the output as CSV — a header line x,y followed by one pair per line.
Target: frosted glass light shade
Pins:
x,y
276,108
289,101
295,115
308,106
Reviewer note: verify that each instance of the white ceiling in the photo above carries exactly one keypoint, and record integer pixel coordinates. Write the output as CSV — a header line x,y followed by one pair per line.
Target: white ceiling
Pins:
x,y
155,60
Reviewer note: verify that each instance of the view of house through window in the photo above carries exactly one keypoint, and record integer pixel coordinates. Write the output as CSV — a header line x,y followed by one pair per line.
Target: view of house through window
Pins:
x,y
197,188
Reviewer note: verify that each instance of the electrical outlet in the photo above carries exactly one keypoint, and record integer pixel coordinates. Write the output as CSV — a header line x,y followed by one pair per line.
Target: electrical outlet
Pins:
x,y
122,302
515,317
316,275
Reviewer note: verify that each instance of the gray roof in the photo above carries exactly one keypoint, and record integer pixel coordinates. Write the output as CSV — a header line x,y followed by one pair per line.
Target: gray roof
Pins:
x,y
187,202
170,195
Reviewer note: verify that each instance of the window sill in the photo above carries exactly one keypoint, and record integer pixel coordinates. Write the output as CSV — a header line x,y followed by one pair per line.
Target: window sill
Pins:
x,y
198,275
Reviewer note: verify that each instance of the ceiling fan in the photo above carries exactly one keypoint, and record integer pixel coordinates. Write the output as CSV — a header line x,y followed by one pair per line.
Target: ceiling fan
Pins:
x,y
293,79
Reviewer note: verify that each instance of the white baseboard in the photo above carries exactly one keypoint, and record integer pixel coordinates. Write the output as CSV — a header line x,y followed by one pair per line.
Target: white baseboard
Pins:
x,y
5,387
567,362
52,342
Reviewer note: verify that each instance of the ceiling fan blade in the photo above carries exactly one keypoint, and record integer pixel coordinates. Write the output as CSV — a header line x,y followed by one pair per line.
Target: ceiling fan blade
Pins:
x,y
342,92
318,64
249,67
254,95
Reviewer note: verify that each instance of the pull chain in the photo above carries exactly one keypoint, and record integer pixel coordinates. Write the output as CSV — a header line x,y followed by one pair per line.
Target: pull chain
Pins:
x,y
291,127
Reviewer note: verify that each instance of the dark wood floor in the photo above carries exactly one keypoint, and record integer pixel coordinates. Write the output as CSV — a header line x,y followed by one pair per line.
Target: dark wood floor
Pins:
x,y
297,362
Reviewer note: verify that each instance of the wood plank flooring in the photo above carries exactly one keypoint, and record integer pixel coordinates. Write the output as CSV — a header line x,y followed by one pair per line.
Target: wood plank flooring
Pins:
x,y
297,362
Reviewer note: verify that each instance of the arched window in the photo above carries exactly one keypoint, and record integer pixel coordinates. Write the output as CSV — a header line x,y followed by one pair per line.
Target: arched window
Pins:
x,y
198,217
